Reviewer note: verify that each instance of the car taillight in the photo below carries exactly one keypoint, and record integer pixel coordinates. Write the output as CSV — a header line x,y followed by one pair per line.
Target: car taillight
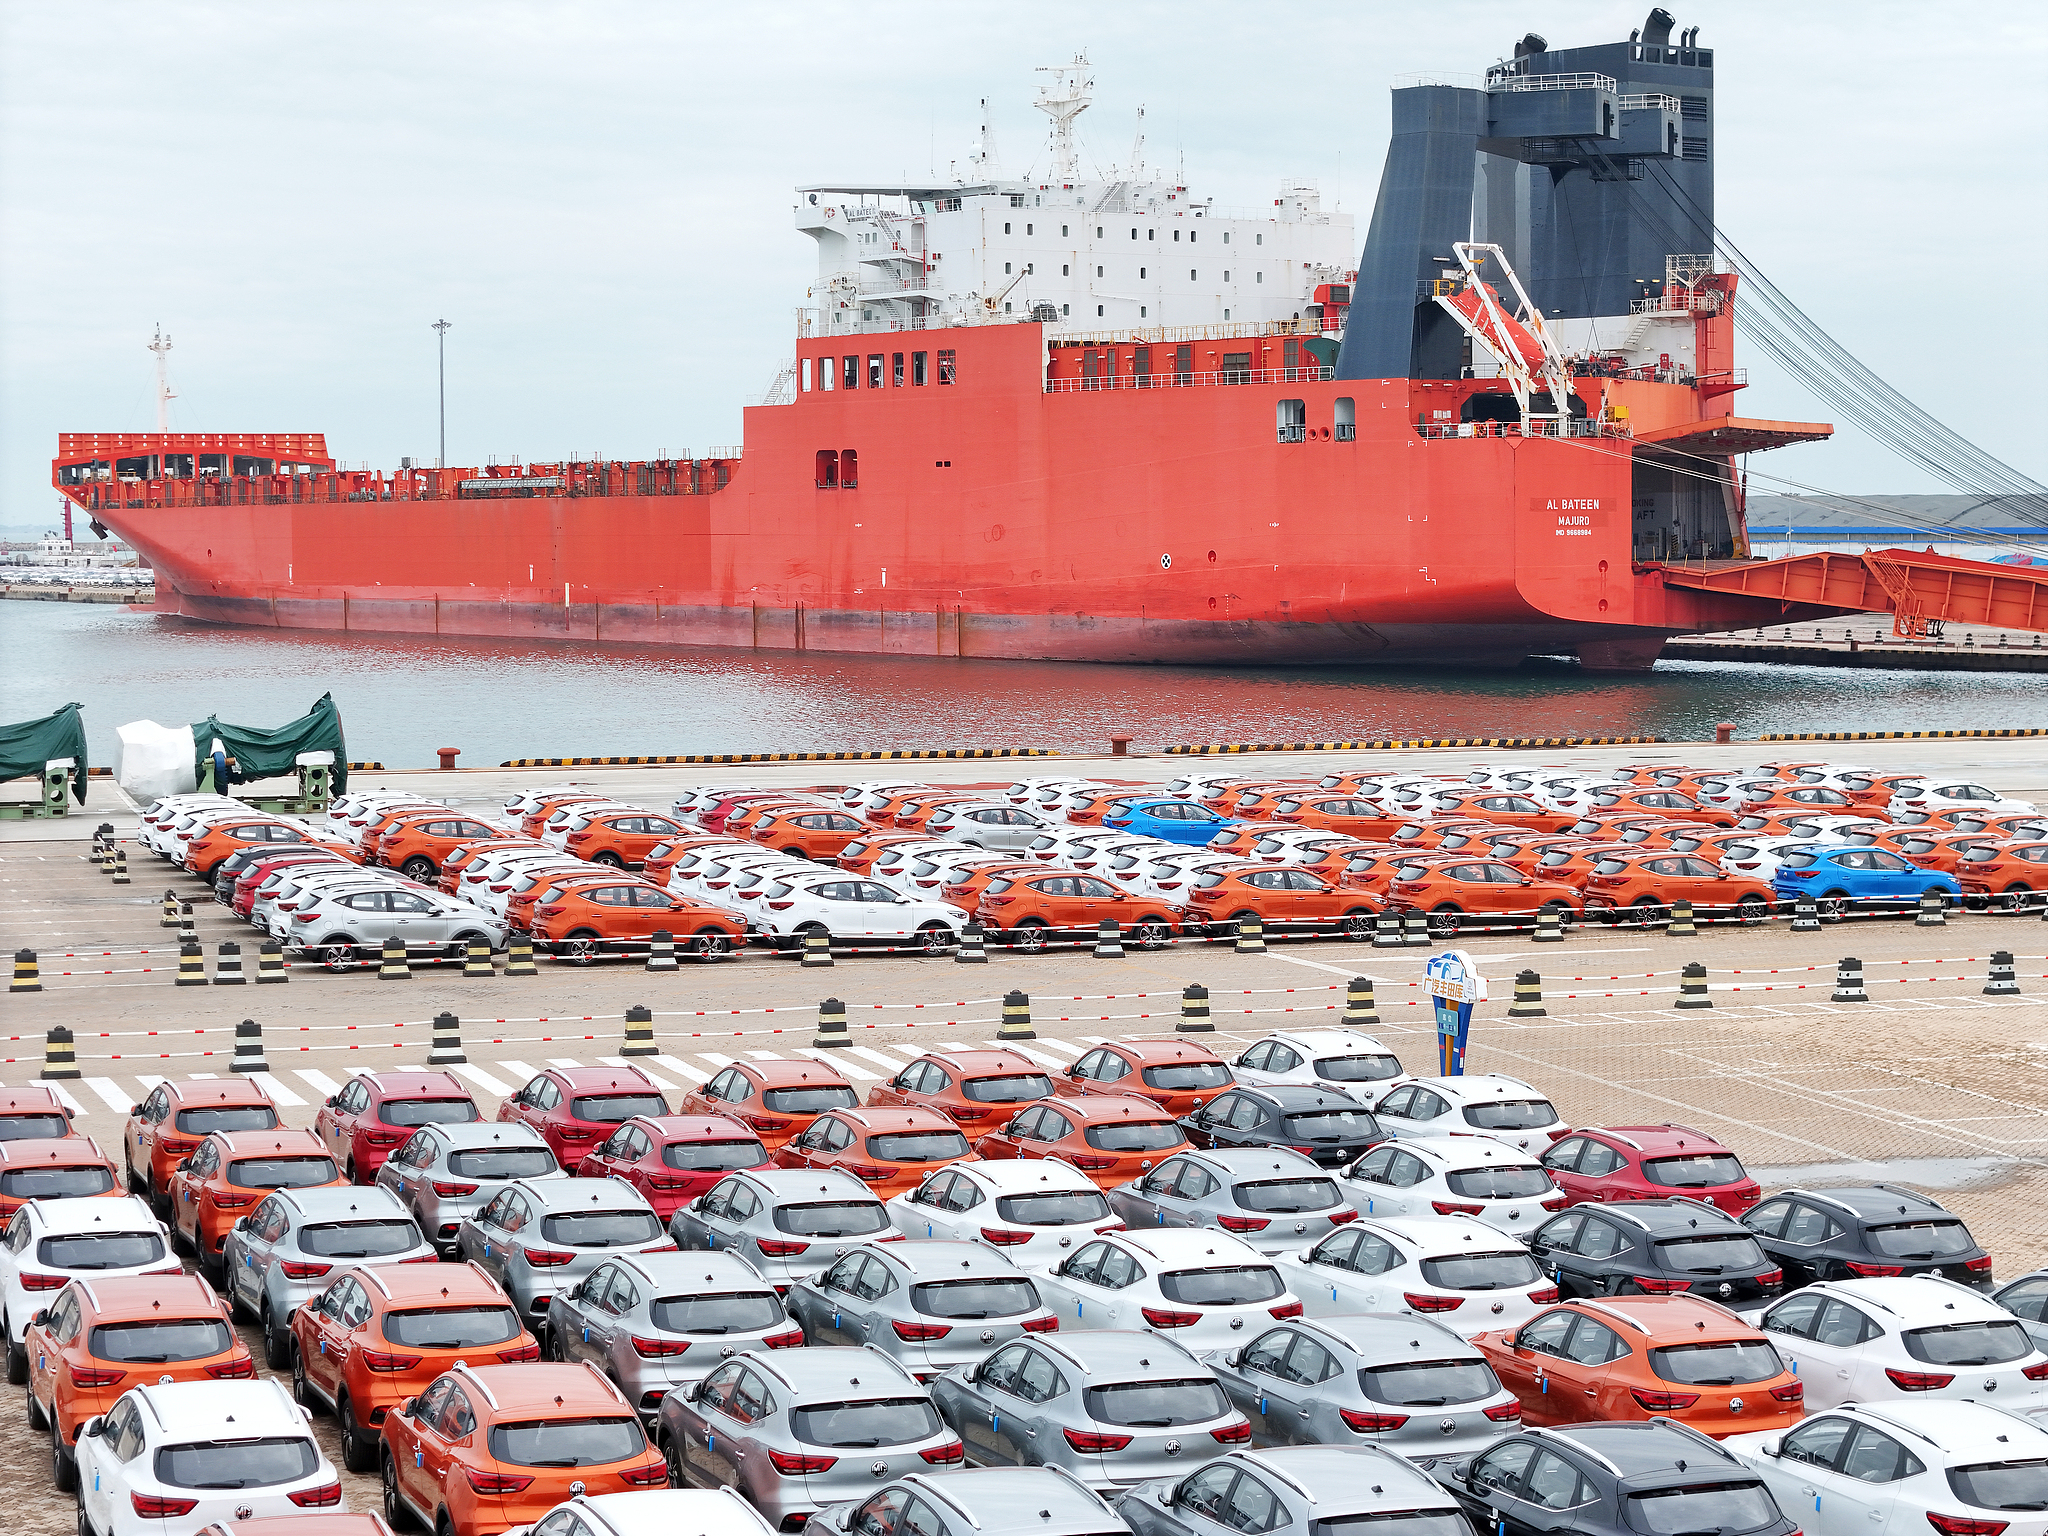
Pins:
x,y
579,837
658,1349
1956,1525
1371,1423
1338,1218
1503,1413
296,1270
1979,1266
1453,1208
1158,1317
1040,1325
230,1202
1239,1433
1087,1440
790,1465
381,1139
1243,1223
1771,1277
1791,1392
91,1378
949,1455
780,906
240,1369
777,1249
553,909
967,1116
916,1332
997,901
1003,1238
530,1350
378,1360
1876,1271
1660,1287
578,1132
1088,1163
1918,1381
1660,1402
655,1476
149,1507
32,1282
791,1340
448,1190
303,917
326,1495
666,1186
866,1171
1556,1202
494,1482
1423,1303
546,1258
765,1122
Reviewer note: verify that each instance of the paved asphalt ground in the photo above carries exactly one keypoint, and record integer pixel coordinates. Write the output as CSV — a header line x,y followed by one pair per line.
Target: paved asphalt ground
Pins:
x,y
1929,1084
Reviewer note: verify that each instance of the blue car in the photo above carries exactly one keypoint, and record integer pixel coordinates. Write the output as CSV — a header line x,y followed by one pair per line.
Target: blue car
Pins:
x,y
1177,821
1843,877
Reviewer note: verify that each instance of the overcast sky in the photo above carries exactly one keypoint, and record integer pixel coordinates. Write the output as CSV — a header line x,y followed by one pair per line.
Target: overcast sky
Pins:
x,y
598,195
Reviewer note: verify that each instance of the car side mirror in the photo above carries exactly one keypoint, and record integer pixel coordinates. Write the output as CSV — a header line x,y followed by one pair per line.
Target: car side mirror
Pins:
x,y
134,1109
409,1407
42,1316
331,1100
242,1225
697,1206
1165,1498
1234,1359
574,1292
694,1391
94,1427
184,1163
1073,1071
1538,1247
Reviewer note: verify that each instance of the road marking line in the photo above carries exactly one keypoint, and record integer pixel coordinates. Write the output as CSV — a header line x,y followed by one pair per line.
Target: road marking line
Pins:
x,y
57,1089
201,1076
481,1078
519,1067
838,1061
682,1069
1060,1045
1038,1056
278,1091
564,1061
653,1077
717,1060
878,1058
322,1083
110,1094
767,1056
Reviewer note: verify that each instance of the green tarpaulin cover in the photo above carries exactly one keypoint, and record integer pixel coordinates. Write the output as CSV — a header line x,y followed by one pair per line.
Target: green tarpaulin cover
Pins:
x,y
261,754
26,747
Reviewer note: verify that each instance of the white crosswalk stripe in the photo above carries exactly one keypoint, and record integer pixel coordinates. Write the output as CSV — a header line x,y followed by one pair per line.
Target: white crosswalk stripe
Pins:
x,y
1060,1045
322,1083
682,1069
766,1055
519,1069
717,1060
1038,1056
64,1098
110,1094
837,1060
640,1067
481,1078
277,1090
564,1061
878,1058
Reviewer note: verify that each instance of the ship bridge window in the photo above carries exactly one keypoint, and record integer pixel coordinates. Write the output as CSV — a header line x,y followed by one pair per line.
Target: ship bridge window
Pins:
x,y
849,372
947,374
213,463
828,375
1152,234
896,369
144,468
247,465
874,370
1098,271
804,367
1490,406
849,470
828,469
917,367
1027,229
1290,421
178,466
1346,421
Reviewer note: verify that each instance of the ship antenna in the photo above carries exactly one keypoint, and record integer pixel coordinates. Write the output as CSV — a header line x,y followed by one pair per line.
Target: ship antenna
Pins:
x,y
161,346
1137,167
441,346
1069,95
984,159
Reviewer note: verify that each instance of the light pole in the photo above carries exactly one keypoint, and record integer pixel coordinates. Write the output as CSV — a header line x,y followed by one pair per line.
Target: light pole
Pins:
x,y
441,346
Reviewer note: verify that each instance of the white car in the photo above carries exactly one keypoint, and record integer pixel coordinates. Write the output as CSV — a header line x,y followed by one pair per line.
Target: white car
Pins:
x,y
1485,1104
1062,845
171,840
897,858
168,1459
1197,1286
875,793
1737,790
929,872
478,873
1474,1176
1937,795
1297,846
1171,877
988,824
724,879
651,1512
495,895
1034,1211
854,911
1342,1059
349,926
152,831
1758,857
1875,1341
691,864
370,808
273,913
49,1243
522,805
1025,792
1898,1468
572,819
1455,1271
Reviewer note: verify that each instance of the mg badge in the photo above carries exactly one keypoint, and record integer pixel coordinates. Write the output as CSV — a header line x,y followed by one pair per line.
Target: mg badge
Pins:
x,y
1300,1227
988,1335
1727,1289
726,1351
1237,1322
1500,1306
879,1468
1935,1272
1447,1426
1990,1383
243,1511
1173,1447
1514,1215
1735,1405
1066,1242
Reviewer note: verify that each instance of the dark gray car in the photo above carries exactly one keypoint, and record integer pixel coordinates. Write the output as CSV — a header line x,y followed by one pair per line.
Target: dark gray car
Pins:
x,y
989,1501
788,1223
1366,1378
444,1174
1272,1197
1297,1490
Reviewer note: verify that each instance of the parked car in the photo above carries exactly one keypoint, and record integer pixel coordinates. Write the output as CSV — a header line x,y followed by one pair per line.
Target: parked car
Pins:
x,y
1027,911
1296,1490
419,845
1460,893
537,1237
1031,1211
672,1159
1646,1162
1206,1286
1462,1272
583,922
1870,1232
1271,1197
1844,879
349,925
375,1112
2007,875
446,1173
2027,1299
929,1304
775,1099
1324,1125
1178,1075
1112,1138
1657,1248
889,1150
33,1112
573,1108
1485,1103
48,1244
179,1113
55,1168
1477,1176
970,1087
231,1171
1341,1059
1286,900
808,832
854,913
787,1224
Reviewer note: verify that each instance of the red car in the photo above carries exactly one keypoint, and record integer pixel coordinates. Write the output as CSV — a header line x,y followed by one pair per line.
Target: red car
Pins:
x,y
374,1112
1649,1162
243,899
575,1107
672,1159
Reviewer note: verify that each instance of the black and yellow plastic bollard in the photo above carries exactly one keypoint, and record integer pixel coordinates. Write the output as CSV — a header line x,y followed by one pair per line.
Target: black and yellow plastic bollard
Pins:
x,y
1360,1009
519,957
28,972
1415,930
1386,931
973,946
1849,982
1681,924
1109,940
121,866
227,966
661,951
817,948
170,917
393,965
249,1055
639,1032
446,1049
60,1058
1016,1018
832,1030
1933,911
188,927
270,969
191,966
1528,1003
1251,936
476,959
1194,1011
2003,980
1549,927
1692,987
1805,914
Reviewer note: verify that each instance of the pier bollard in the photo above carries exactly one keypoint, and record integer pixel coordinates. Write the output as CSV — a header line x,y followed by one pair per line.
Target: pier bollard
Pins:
x,y
249,1055
170,917
1805,915
99,852
1251,936
1194,1011
188,926
476,959
1681,924
1528,1003
1016,1018
393,965
832,1030
1415,931
60,1058
270,964
2003,980
661,951
28,973
1549,927
1360,1012
121,866
639,1032
1109,940
1933,911
519,957
191,966
1386,931
1849,982
973,946
446,1048
817,948
227,966
1692,987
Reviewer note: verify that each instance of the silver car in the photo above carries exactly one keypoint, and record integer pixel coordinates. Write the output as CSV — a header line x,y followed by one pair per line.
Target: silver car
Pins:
x,y
990,1501
654,1321
447,1173
1405,1383
1113,1407
1297,1490
536,1236
930,1304
987,824
1272,1197
798,1429
279,1254
1031,1209
788,1223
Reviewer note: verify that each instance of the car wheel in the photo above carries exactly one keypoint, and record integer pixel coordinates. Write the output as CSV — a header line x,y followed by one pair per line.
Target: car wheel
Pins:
x,y
80,1522
1558,909
1648,911
935,939
277,1343
396,1514
711,944
1752,909
1947,898
302,1389
609,859
795,853
37,1419
137,1185
1356,924
1445,922
418,868
1151,932
580,948
17,1361
341,953
1833,907
63,1465
672,1453
2015,897
358,1448
444,1526
1028,936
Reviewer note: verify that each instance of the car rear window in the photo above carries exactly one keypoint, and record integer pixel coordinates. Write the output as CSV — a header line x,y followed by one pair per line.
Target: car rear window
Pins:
x,y
568,1442
1398,1522
502,1163
358,1239
55,1183
1502,1271
237,1463
428,1112
2015,1485
1920,1239
1509,1183
980,1297
832,1218
1016,1088
100,1250
1068,1208
714,1156
1230,1285
227,1117
865,1426
160,1343
1157,1404
1135,1136
601,1229
1429,1383
917,1146
1733,1363
1185,1076
1702,1170
1968,1343
1723,1507
1511,1115
451,1327
1712,1254
808,1101
1287,1197
33,1127
613,1108
280,1172
734,1312
1357,1069
1330,1125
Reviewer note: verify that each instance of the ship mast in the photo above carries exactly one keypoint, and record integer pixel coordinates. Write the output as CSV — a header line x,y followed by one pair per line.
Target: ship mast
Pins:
x,y
1072,89
161,346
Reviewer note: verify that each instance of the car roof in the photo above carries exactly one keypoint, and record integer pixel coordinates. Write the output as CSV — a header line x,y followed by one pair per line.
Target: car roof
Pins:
x,y
794,1185
1675,1214
140,1295
597,1079
887,1118
1963,1429
1094,1108
1331,1477
203,1092
946,1258
531,1387
668,1512
56,1151
123,1213
1635,1448
1113,1352
583,1194
789,1072
970,1063
669,1128
1432,1236
1153,1053
1190,1246
1022,1175
414,1083
1323,1039
694,1270
1690,1317
1460,1152
280,1139
1300,1096
1917,1299
1258,1162
995,1496
468,1135
1479,1087
223,1410
338,1202
1875,1202
1386,1334
404,1284
30,1099
829,1369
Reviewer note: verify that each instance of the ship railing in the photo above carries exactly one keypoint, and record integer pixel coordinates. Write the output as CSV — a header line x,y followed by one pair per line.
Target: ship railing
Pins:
x,y
1655,101
1583,80
1682,301
1153,335
574,480
1171,379
1440,431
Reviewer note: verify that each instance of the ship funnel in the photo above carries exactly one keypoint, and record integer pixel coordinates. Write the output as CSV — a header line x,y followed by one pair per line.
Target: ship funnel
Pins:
x,y
1533,42
1657,30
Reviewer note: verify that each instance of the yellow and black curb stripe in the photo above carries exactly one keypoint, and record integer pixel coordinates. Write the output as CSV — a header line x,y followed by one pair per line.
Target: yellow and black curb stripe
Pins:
x,y
1902,735
775,757
365,767
1440,741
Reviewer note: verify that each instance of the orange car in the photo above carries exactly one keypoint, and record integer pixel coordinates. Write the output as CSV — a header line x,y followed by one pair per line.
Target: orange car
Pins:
x,y
1608,826
1680,836
101,1337
1286,899
1337,813
1817,798
1112,1137
622,839
582,922
214,1187
542,886
1676,805
32,1113
1503,808
204,853
450,879
375,1336
776,1099
1642,1357
1929,849
1177,1075
889,1150
741,820
1373,870
1570,863
858,857
1086,809
1029,909
1240,838
2006,873
969,1087
382,822
488,1447
1459,894
167,1127
1329,858
419,845
1260,798
543,811
57,1168
963,887
916,812
807,832
1645,883
1420,832
1525,850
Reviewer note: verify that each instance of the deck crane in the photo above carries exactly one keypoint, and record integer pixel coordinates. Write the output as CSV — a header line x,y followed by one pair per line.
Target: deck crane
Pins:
x,y
994,301
1520,344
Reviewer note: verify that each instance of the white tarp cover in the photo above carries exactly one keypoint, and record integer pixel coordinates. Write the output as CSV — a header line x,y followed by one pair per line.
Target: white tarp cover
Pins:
x,y
152,760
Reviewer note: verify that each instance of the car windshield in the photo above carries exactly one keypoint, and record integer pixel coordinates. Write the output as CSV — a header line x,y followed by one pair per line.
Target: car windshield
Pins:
x,y
1068,1208
568,1442
1712,1254
1186,1076
1719,1507
1968,1343
1157,1404
809,1101
1511,1115
358,1239
55,1183
1398,1522
1429,1383
502,1163
100,1250
33,1127
1501,1271
601,1229
1135,1136
226,1117
1357,1069
1329,1125
611,1108
1017,1088
984,1296
281,1172
237,1463
160,1343
1920,1239
1506,1183
1233,1285
2015,1485
428,1112
734,1312
1287,1197
865,1426
1702,1170
1732,1363
918,1146
832,1218
451,1327
714,1156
